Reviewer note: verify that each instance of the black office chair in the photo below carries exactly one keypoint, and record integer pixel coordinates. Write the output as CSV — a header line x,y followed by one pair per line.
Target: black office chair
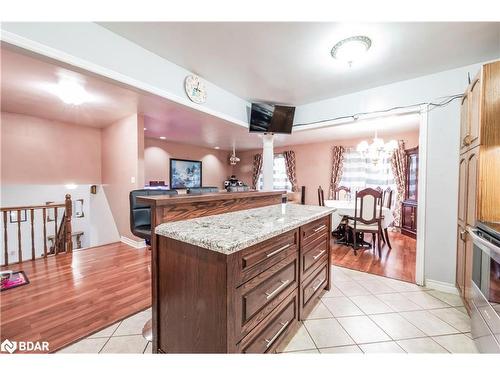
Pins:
x,y
140,213
202,190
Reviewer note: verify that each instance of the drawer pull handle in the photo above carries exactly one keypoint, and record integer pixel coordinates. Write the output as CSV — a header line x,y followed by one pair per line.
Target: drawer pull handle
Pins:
x,y
315,288
319,228
281,286
278,250
319,254
270,341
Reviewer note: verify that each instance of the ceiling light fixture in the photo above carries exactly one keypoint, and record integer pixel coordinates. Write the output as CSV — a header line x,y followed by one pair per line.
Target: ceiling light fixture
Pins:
x,y
71,91
163,138
234,159
377,150
350,49
217,147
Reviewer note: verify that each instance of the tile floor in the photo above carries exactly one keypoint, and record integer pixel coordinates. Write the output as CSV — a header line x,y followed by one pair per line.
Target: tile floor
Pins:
x,y
362,313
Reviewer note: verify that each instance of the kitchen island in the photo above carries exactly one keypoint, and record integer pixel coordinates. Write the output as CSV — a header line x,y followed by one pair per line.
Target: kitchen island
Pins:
x,y
238,282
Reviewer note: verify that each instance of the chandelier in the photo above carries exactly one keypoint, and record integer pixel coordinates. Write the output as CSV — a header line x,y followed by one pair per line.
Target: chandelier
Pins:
x,y
233,158
377,150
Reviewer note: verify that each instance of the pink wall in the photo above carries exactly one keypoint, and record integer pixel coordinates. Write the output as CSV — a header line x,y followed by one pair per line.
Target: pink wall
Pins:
x,y
313,162
38,151
157,153
121,167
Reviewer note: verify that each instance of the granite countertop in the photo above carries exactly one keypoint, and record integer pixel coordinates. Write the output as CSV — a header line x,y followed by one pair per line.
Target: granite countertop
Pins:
x,y
233,231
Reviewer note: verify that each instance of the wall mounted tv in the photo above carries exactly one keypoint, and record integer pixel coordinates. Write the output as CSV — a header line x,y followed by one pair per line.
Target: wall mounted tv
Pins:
x,y
268,118
185,173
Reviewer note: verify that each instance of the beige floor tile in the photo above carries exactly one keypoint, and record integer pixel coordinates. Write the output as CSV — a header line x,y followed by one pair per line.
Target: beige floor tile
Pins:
x,y
377,287
134,324
300,341
421,345
341,350
430,324
333,292
351,288
382,347
308,351
125,344
320,312
371,305
462,309
401,286
425,300
339,275
106,332
450,299
398,302
91,346
327,333
453,317
341,306
396,326
363,330
149,348
457,343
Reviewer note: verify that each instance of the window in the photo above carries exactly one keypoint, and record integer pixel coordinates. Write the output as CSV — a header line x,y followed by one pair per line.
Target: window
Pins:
x,y
359,173
280,178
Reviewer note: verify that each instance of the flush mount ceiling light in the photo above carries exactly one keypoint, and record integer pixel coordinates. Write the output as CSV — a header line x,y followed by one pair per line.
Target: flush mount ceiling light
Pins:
x,y
70,91
350,49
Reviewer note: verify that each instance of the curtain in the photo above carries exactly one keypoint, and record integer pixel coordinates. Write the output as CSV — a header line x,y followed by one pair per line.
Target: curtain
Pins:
x,y
290,168
337,163
398,163
257,167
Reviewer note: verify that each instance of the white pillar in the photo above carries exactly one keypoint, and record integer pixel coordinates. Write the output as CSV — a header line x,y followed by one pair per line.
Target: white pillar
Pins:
x,y
267,161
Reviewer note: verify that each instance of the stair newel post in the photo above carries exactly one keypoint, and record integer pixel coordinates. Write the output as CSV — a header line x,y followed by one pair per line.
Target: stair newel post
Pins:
x,y
67,225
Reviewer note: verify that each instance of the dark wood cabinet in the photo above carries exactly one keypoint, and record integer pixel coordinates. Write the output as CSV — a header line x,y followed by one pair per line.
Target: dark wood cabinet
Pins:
x,y
410,202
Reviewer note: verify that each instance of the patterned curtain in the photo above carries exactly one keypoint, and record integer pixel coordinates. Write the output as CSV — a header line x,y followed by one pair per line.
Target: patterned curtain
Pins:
x,y
337,162
290,168
398,163
257,167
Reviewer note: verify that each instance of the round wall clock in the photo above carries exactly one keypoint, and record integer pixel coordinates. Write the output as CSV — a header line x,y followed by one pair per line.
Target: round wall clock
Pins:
x,y
195,89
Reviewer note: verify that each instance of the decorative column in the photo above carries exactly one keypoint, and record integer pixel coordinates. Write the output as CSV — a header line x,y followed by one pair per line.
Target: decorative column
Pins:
x,y
267,161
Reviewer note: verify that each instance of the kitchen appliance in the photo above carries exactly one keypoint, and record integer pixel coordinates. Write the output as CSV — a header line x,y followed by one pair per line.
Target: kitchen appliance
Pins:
x,y
485,287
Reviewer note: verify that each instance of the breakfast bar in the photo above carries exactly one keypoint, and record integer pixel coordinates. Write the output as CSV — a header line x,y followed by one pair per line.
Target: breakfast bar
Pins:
x,y
239,281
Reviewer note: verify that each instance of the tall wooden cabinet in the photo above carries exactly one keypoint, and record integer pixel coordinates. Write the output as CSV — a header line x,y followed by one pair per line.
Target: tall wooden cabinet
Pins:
x,y
479,166
409,204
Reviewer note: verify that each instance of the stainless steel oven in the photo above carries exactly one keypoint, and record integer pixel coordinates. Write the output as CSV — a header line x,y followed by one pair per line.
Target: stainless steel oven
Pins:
x,y
485,309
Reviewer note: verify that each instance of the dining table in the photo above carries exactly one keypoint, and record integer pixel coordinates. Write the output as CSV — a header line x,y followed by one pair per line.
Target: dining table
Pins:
x,y
347,208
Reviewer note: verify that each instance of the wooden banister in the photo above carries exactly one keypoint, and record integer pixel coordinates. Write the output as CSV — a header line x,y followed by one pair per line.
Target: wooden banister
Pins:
x,y
62,233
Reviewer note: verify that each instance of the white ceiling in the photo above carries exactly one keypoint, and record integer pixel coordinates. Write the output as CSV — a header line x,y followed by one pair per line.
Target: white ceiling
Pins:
x,y
290,63
24,90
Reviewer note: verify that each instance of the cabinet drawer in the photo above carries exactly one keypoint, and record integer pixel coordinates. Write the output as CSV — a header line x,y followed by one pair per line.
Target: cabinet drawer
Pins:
x,y
258,258
259,296
310,288
267,335
311,258
314,230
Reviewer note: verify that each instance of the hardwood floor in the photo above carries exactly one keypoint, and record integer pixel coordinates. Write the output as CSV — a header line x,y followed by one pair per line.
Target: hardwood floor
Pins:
x,y
74,295
398,263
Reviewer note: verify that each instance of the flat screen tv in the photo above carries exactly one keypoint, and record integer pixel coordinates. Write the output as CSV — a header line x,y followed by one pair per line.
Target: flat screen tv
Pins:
x,y
185,173
268,118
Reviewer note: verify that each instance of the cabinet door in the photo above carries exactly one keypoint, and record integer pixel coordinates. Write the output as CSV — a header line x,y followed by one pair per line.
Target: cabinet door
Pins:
x,y
474,113
461,260
464,123
472,170
468,268
406,217
462,190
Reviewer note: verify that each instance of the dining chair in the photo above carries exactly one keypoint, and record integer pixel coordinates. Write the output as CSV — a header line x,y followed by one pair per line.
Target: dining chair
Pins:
x,y
321,196
387,203
367,217
341,192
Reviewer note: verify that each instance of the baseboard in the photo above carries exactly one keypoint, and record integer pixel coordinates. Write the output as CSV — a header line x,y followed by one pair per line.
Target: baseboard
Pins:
x,y
441,286
136,244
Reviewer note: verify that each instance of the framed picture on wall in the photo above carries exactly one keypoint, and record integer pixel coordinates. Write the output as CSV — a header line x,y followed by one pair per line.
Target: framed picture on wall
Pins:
x,y
185,173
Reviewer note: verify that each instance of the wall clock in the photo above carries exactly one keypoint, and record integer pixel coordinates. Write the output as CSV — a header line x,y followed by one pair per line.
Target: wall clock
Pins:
x,y
195,89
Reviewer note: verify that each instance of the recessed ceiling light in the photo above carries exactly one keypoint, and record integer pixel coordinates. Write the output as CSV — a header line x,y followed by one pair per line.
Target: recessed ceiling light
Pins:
x,y
145,129
350,49
217,147
70,91
163,137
